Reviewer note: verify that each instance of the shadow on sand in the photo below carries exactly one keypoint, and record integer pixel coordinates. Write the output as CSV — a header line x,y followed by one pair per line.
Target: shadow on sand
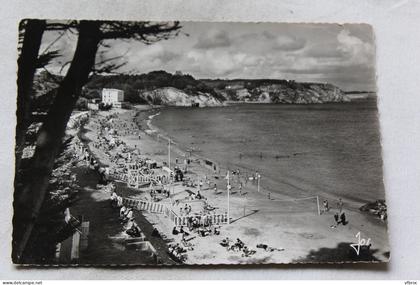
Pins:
x,y
342,253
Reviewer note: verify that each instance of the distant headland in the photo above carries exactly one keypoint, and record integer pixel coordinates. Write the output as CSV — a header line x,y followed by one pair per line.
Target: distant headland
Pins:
x,y
178,89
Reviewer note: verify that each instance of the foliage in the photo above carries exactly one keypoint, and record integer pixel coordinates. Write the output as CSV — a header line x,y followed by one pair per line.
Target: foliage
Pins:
x,y
81,104
32,188
132,85
104,107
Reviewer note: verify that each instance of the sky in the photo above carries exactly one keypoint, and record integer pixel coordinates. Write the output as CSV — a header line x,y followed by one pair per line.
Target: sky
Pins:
x,y
343,55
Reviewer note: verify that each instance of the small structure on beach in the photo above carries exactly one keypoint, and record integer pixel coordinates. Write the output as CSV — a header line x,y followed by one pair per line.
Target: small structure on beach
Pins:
x,y
93,104
114,97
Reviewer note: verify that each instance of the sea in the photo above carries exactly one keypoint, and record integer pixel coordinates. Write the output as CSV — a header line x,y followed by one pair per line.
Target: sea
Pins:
x,y
332,150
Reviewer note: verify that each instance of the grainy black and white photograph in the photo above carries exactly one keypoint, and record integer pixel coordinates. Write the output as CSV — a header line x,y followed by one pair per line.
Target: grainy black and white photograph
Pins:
x,y
199,143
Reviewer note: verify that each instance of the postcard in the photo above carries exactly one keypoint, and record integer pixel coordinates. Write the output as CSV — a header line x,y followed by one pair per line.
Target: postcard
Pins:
x,y
169,143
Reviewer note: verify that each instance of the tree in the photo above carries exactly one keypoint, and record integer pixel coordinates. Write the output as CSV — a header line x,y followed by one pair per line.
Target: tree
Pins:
x,y
91,35
27,64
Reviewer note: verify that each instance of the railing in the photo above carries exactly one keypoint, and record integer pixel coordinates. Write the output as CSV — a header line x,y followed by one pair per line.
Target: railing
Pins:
x,y
213,219
153,207
135,180
142,205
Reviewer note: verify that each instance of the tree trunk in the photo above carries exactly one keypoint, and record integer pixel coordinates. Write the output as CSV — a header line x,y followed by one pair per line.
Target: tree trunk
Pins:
x,y
50,136
27,63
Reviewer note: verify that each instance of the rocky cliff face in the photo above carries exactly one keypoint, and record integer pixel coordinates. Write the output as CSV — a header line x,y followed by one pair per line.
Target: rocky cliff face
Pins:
x,y
170,96
163,88
290,93
297,93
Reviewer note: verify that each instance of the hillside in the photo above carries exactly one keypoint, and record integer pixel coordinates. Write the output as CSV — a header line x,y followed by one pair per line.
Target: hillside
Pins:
x,y
163,88
171,96
277,91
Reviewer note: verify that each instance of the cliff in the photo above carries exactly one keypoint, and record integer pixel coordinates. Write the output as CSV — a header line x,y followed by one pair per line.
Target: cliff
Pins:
x,y
163,88
170,96
281,91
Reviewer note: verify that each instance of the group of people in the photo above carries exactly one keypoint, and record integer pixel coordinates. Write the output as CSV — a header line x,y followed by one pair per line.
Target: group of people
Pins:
x,y
268,248
202,226
237,246
177,252
91,162
186,210
116,201
193,196
208,230
158,194
340,215
128,162
126,216
340,219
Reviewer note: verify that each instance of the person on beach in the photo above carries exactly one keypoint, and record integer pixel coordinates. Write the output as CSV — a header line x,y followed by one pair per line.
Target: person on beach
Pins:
x,y
119,201
269,196
155,233
112,186
128,215
229,187
326,207
123,209
343,220
337,221
340,205
67,215
215,187
175,231
114,198
134,230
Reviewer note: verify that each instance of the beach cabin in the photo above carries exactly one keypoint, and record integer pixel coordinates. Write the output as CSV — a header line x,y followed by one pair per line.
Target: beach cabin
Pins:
x,y
114,97
93,104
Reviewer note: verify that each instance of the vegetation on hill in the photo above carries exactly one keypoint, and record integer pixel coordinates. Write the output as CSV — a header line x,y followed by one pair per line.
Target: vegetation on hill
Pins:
x,y
138,89
133,85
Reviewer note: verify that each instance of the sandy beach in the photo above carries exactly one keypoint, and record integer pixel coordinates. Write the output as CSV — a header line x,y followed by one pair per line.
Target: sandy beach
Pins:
x,y
293,229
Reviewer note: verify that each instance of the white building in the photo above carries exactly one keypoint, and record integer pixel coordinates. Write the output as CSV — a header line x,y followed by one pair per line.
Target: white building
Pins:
x,y
114,97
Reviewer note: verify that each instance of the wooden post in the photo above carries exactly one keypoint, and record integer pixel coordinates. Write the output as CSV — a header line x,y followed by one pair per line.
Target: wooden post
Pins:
x,y
228,197
169,153
317,203
258,182
75,247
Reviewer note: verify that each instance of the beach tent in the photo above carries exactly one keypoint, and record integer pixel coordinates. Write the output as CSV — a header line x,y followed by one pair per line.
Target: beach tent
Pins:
x,y
151,164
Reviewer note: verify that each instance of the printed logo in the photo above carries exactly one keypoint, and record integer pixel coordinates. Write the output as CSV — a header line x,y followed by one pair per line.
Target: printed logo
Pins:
x,y
361,242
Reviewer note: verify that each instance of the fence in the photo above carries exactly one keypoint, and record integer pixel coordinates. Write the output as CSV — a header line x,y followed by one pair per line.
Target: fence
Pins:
x,y
145,205
134,180
213,219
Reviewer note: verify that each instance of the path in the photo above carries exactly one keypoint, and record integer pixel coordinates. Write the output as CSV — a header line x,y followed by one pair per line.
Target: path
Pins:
x,y
104,247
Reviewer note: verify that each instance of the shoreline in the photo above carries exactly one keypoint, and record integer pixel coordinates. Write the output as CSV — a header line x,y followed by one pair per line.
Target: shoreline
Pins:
x,y
302,229
353,203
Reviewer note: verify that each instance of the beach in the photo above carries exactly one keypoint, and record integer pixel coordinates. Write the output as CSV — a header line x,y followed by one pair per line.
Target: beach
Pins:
x,y
294,229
